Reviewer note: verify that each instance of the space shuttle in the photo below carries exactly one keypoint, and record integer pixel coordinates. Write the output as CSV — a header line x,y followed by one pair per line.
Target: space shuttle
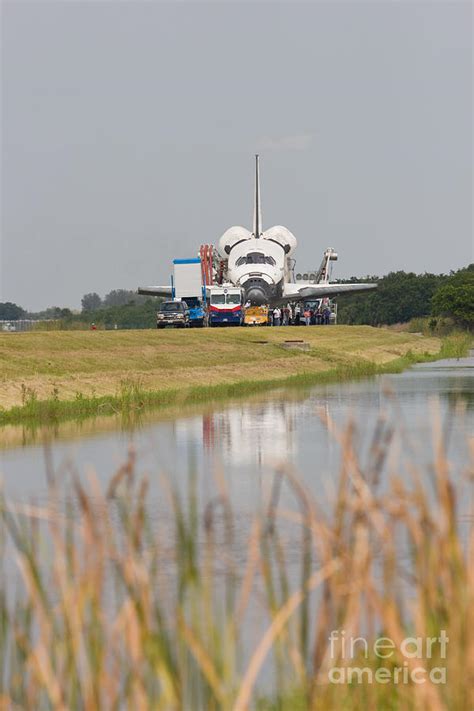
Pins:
x,y
258,261
261,263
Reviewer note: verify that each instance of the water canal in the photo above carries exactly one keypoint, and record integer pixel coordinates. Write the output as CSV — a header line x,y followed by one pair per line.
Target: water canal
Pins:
x,y
246,439
241,444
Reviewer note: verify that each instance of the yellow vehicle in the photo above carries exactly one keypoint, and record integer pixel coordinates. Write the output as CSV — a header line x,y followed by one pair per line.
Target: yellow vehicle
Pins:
x,y
256,316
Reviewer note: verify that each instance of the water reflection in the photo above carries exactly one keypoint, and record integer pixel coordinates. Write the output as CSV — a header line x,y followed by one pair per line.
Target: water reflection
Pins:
x,y
256,434
249,437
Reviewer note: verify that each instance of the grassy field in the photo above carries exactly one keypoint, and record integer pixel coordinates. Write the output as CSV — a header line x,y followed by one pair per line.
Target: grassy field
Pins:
x,y
86,370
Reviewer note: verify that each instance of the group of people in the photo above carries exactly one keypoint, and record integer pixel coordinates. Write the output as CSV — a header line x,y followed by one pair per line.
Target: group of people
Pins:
x,y
297,316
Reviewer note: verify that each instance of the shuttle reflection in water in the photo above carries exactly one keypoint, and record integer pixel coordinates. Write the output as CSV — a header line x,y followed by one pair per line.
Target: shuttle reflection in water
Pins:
x,y
259,434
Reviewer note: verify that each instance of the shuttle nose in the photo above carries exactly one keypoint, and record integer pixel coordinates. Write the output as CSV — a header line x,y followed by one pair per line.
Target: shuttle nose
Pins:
x,y
256,296
257,291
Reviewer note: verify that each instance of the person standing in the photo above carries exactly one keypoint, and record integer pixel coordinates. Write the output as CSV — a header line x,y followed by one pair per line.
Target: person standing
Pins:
x,y
297,315
276,316
291,315
307,317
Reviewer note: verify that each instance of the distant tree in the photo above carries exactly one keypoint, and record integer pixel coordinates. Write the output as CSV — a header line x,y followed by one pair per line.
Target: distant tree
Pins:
x,y
91,302
55,312
123,297
455,298
119,297
132,315
52,312
11,312
400,296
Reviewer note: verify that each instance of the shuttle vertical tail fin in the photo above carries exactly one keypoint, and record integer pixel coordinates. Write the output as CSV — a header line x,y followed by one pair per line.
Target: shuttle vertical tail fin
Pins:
x,y
257,210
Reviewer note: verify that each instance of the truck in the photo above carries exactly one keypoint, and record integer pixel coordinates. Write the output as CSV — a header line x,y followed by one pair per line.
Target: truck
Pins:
x,y
225,305
173,313
187,285
256,316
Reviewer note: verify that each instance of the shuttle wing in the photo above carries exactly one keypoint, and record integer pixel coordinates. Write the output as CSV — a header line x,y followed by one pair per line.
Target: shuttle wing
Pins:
x,y
155,290
296,292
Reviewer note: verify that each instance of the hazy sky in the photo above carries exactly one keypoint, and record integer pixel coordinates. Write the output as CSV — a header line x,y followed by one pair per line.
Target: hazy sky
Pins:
x,y
129,128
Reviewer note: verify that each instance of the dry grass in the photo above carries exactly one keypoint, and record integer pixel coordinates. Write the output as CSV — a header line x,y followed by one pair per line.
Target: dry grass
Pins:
x,y
96,363
118,609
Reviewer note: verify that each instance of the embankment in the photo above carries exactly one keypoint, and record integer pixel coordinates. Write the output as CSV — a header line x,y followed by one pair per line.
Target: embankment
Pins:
x,y
77,374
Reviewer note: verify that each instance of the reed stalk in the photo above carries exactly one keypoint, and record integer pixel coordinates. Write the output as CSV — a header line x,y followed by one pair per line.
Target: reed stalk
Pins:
x,y
104,605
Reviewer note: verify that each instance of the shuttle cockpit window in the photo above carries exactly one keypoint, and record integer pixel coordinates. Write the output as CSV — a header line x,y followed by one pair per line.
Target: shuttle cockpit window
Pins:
x,y
255,258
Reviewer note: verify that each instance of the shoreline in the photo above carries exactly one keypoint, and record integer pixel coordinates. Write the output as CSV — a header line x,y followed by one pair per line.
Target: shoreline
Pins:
x,y
134,397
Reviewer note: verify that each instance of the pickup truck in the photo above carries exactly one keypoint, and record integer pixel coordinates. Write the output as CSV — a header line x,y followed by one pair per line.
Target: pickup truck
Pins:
x,y
173,313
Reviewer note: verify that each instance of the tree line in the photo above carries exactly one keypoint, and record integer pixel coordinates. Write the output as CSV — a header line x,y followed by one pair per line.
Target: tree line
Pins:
x,y
400,297
120,307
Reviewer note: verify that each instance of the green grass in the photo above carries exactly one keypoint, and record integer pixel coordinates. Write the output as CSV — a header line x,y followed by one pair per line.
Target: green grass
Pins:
x,y
133,398
456,346
434,326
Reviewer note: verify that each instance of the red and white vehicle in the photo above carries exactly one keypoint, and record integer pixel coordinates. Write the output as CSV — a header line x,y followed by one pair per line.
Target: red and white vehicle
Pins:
x,y
226,306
